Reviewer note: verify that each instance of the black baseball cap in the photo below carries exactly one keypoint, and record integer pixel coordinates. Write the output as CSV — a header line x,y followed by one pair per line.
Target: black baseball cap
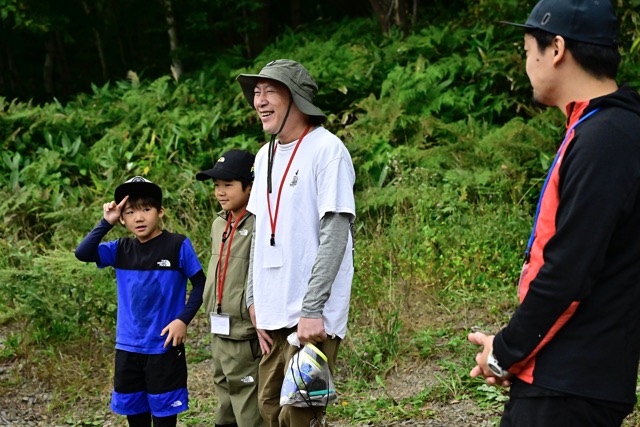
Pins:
x,y
587,21
234,164
136,188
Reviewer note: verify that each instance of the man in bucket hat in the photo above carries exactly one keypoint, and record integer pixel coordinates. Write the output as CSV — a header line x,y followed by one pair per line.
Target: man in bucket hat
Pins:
x,y
302,261
570,351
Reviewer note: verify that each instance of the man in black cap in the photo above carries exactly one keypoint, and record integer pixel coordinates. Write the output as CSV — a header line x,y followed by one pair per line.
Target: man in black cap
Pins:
x,y
570,351
302,262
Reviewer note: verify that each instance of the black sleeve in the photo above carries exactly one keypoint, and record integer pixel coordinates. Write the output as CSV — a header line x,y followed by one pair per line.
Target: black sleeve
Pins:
x,y
87,250
195,297
596,180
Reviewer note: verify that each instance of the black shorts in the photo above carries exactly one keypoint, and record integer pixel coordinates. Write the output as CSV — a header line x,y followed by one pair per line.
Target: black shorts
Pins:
x,y
155,383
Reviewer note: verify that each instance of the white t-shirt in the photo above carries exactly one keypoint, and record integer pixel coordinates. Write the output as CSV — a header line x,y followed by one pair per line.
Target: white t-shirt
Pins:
x,y
320,180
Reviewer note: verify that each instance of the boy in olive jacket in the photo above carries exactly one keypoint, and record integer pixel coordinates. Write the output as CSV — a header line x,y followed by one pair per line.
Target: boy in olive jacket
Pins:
x,y
234,343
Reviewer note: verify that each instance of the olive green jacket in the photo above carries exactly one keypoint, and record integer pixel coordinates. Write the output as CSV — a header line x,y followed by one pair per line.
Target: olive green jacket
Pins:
x,y
234,290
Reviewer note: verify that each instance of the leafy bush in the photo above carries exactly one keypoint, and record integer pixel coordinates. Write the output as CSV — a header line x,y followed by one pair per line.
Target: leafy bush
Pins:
x,y
449,161
57,299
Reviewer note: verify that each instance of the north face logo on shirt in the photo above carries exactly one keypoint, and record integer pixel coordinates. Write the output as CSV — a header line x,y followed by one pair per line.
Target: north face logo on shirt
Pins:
x,y
164,263
294,180
243,232
247,380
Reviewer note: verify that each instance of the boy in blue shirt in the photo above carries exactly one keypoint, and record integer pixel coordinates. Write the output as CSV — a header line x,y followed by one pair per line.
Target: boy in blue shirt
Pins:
x,y
152,268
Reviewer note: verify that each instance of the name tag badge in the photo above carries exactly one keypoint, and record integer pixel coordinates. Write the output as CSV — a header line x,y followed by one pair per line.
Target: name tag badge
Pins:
x,y
220,323
272,257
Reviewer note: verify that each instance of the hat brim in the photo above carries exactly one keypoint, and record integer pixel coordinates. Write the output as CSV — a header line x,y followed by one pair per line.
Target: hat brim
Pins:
x,y
248,84
216,174
528,27
137,190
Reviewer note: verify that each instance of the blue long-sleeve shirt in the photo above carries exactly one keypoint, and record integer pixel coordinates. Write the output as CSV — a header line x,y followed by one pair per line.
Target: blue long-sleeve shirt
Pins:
x,y
151,279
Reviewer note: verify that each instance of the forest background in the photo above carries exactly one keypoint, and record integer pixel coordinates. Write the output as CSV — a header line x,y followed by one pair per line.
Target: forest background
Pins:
x,y
431,99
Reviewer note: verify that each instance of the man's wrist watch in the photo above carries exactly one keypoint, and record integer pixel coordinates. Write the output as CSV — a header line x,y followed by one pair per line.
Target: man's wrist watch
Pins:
x,y
495,367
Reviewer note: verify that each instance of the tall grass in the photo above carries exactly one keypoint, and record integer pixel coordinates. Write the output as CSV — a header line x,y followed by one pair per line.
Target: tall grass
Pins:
x,y
449,161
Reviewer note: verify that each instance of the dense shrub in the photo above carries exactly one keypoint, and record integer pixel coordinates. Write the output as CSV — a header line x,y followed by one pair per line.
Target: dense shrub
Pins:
x,y
449,160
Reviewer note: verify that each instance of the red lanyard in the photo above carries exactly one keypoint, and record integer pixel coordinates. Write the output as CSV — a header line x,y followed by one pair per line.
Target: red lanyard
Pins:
x,y
273,219
222,272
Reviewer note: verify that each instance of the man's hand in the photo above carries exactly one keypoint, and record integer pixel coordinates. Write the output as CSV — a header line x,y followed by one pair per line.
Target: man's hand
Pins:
x,y
112,211
177,333
263,336
311,330
486,341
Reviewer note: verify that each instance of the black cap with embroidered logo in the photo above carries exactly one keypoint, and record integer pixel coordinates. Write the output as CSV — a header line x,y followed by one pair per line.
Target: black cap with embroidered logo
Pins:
x,y
136,188
587,21
234,164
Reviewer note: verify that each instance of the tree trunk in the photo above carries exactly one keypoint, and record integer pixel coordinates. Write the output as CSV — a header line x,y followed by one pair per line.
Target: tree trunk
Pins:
x,y
294,6
414,14
98,40
245,36
390,12
62,65
401,13
9,78
47,68
258,34
382,10
176,64
121,52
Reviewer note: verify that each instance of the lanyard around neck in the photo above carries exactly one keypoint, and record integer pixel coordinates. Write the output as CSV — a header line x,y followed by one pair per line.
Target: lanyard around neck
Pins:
x,y
273,218
527,252
222,270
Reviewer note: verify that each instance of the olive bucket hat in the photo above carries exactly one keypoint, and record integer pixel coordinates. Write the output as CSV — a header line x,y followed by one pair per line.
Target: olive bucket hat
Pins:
x,y
295,77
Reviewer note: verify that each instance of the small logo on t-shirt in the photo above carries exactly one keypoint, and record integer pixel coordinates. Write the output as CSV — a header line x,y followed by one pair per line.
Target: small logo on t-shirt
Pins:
x,y
176,404
294,180
243,232
164,263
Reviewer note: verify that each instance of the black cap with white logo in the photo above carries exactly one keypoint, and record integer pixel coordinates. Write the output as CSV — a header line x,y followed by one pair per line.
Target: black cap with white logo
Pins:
x,y
138,187
233,165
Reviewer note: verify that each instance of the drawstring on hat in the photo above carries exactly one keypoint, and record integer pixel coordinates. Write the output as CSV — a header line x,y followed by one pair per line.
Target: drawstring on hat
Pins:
x,y
272,141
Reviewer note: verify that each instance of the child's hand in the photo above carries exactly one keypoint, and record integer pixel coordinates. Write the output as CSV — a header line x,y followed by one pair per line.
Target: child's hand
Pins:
x,y
177,333
112,211
264,338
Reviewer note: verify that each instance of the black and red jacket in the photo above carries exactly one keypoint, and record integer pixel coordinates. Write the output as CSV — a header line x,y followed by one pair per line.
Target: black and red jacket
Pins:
x,y
577,328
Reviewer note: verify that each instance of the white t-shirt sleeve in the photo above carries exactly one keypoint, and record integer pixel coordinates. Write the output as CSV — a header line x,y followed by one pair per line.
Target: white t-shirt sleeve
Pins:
x,y
335,186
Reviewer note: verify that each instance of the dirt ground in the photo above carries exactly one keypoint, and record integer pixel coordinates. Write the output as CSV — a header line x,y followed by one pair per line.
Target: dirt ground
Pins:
x,y
27,402
27,405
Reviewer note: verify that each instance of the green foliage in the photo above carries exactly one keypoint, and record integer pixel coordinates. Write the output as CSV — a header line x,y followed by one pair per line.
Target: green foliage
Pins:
x,y
449,162
371,352
56,299
490,397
